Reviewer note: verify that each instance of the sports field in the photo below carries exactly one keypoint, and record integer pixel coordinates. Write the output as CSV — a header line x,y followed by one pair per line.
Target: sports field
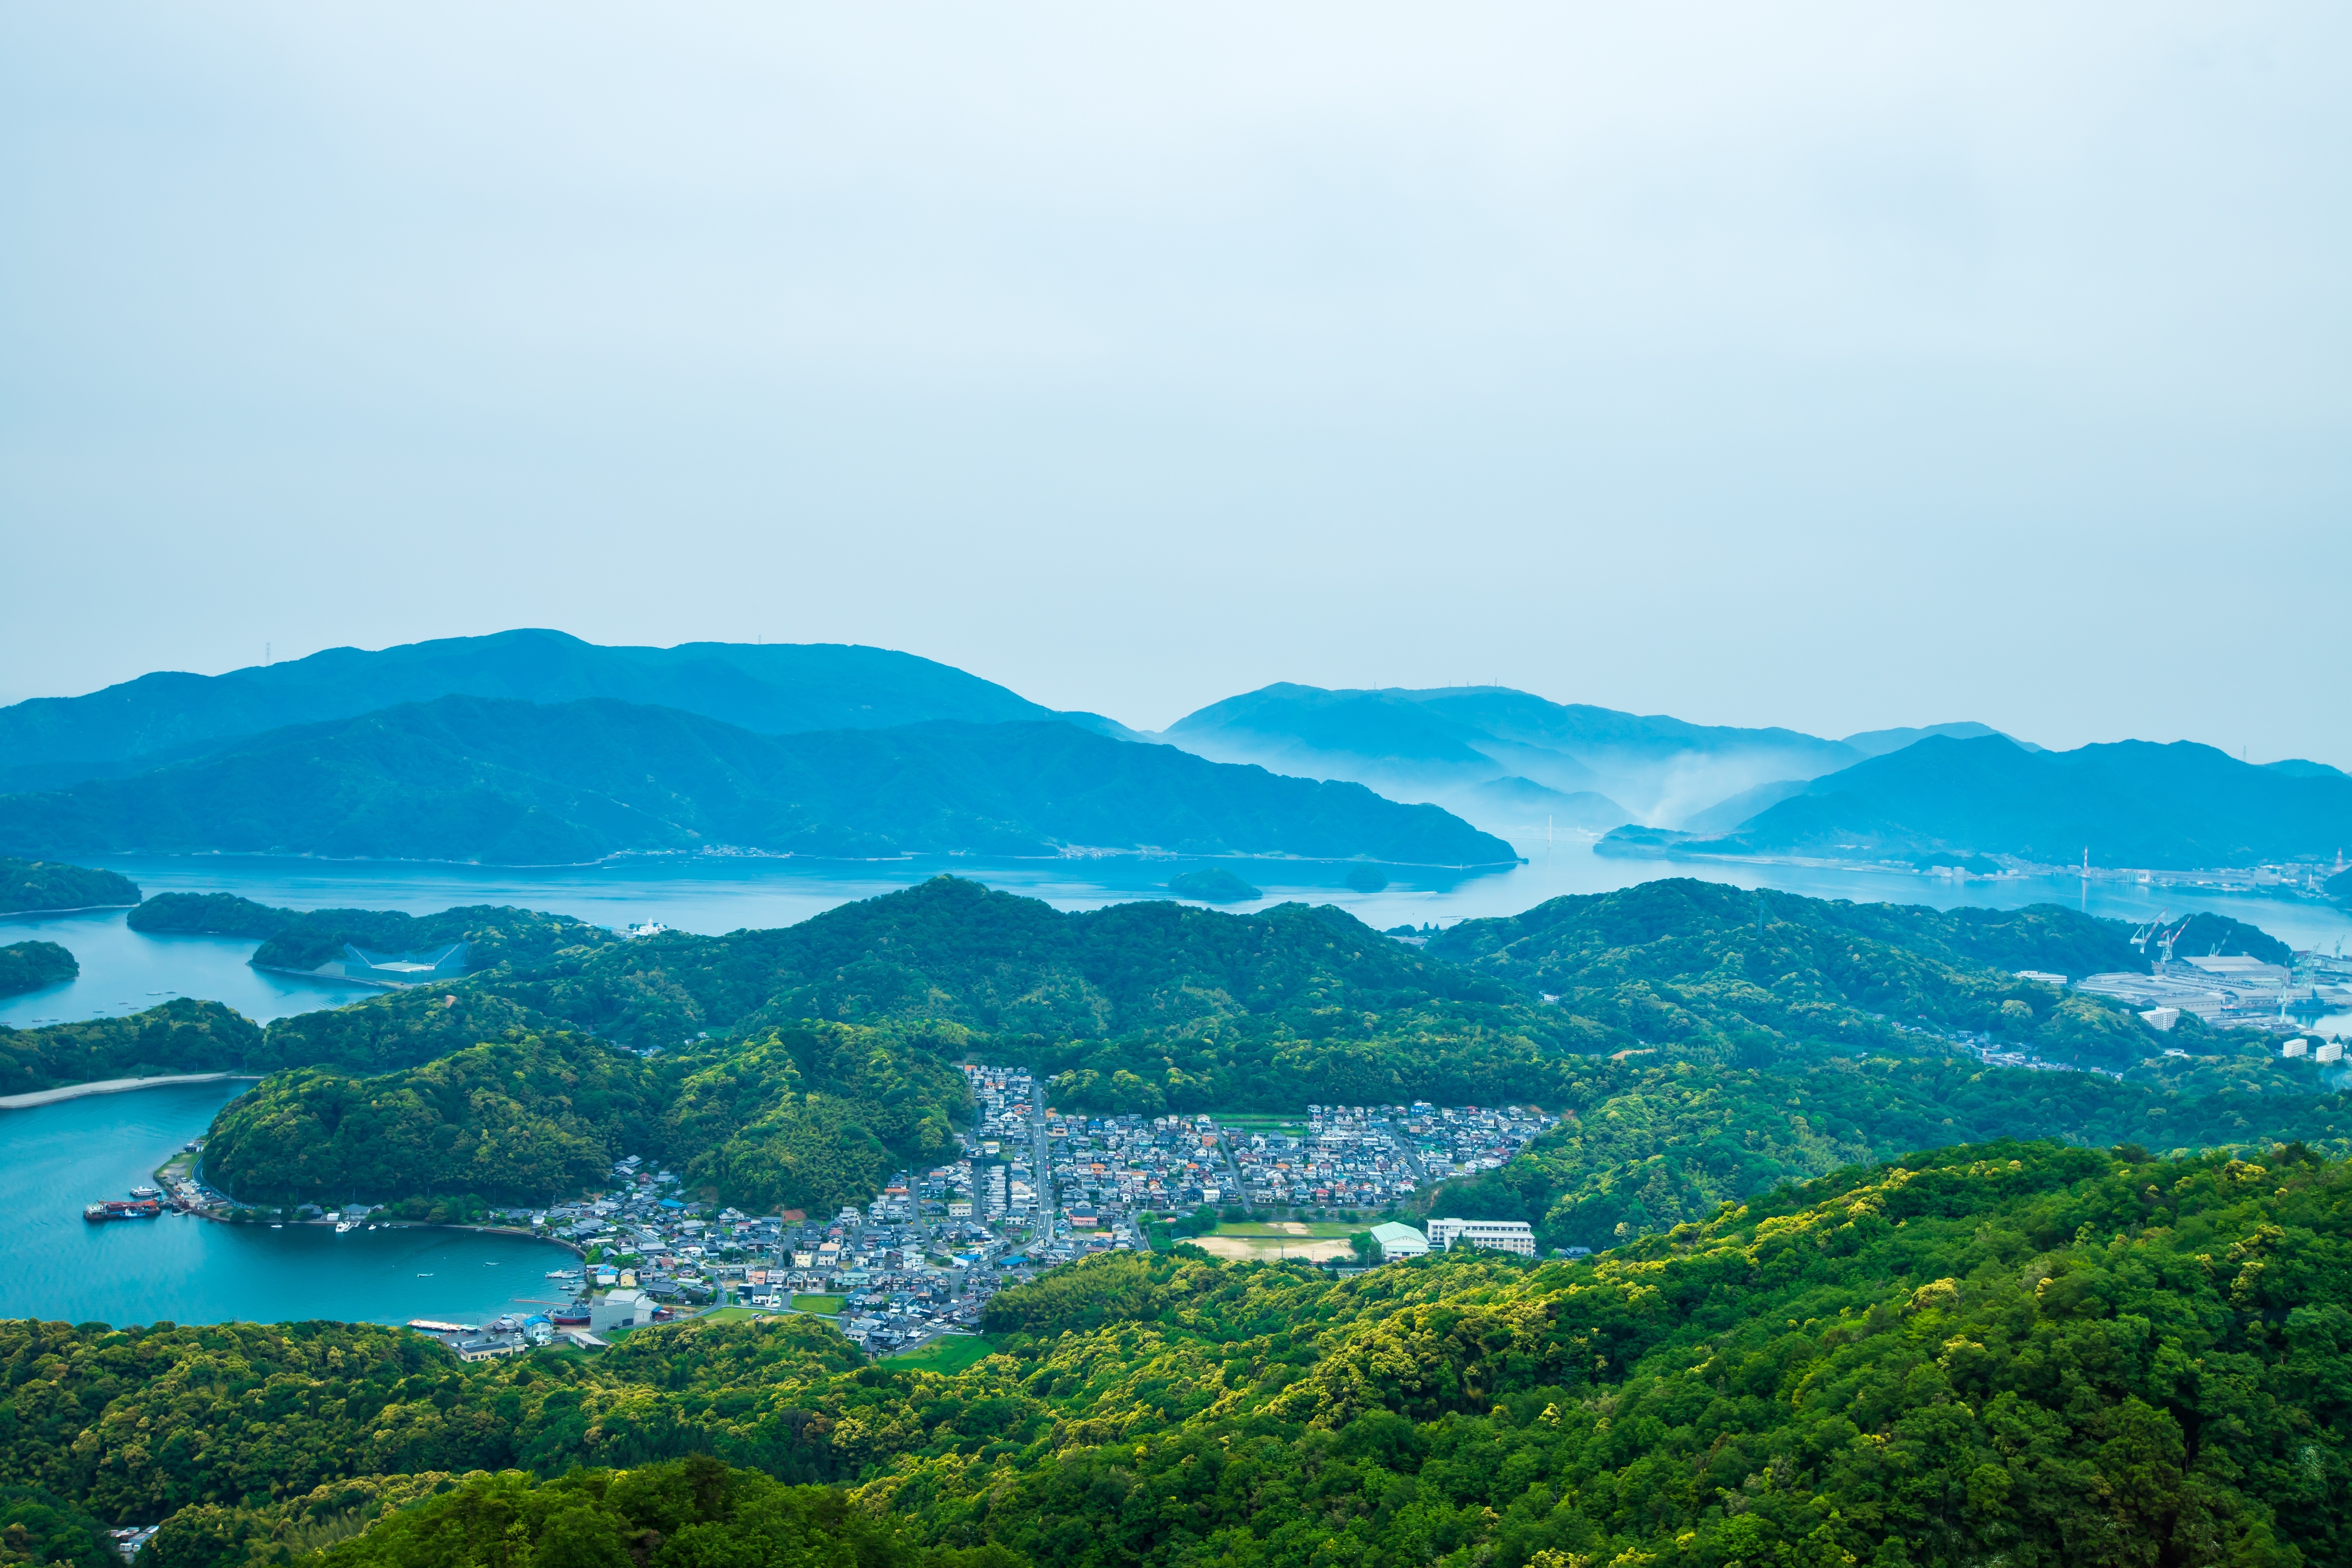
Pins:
x,y
1315,1241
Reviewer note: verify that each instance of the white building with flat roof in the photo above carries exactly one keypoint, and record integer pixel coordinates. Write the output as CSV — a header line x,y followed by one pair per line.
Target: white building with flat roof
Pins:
x,y
1502,1234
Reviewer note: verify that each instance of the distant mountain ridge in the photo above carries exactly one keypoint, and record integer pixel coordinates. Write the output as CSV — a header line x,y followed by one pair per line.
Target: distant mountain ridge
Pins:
x,y
768,688
1504,759
2132,803
466,778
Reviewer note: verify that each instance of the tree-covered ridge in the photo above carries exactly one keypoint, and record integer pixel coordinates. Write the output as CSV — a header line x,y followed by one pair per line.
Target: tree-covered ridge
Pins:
x,y
36,1527
693,1513
466,778
207,914
1643,1148
2048,1355
29,965
497,934
808,1117
1702,964
1197,1007
181,1035
29,885
524,1121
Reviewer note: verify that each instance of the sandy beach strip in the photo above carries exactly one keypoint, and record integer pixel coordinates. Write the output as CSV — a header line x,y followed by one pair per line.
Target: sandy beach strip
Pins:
x,y
107,1086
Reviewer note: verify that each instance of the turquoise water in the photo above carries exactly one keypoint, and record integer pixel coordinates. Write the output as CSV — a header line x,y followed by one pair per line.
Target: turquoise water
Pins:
x,y
61,1268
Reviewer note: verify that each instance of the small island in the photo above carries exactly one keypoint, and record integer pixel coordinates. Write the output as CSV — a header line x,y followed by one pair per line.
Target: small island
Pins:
x,y
208,914
1214,886
44,887
29,965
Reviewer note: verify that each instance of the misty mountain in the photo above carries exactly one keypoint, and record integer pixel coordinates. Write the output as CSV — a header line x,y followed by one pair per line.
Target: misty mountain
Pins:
x,y
769,688
466,778
1448,745
2133,803
1878,742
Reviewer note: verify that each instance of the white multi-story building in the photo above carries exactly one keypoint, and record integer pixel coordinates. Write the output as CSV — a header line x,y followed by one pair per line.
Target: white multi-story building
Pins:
x,y
1502,1235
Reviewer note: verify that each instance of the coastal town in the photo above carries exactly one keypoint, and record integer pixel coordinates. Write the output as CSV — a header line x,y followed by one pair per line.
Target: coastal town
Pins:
x,y
1034,1187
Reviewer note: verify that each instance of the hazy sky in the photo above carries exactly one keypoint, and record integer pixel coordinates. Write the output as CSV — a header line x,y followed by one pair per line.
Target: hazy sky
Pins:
x,y
1832,365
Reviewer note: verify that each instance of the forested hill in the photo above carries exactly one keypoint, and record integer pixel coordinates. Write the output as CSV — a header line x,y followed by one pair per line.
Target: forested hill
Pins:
x,y
2133,803
472,779
1196,1007
2011,1352
771,688
26,886
1645,930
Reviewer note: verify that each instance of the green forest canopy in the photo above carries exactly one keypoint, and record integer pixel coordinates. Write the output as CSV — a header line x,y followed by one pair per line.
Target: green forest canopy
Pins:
x,y
29,885
2038,1354
29,965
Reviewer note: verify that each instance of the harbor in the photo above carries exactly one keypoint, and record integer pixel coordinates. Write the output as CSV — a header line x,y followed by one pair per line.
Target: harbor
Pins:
x,y
178,1269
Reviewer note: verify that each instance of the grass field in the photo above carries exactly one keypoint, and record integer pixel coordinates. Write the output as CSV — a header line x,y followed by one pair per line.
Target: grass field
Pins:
x,y
1260,1121
949,1353
828,1304
1315,1241
1295,1228
729,1314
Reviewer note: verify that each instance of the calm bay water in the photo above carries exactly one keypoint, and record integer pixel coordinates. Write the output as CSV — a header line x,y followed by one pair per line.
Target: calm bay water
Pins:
x,y
60,1157
63,1269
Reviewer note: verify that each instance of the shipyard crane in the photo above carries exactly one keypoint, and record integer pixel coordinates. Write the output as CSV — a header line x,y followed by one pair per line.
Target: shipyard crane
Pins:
x,y
2139,938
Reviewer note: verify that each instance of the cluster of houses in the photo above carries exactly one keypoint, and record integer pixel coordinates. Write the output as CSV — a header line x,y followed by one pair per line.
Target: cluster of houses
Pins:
x,y
1031,1188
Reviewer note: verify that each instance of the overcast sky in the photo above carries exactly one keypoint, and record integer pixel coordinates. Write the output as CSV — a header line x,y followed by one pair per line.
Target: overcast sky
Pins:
x,y
1828,365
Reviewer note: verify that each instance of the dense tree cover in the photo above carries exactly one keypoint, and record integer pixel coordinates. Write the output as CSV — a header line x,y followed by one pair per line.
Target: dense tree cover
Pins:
x,y
1157,1005
28,885
1752,974
29,965
468,778
207,914
2028,1353
524,1121
1643,1149
36,1527
815,1115
1274,1009
810,1117
181,1035
498,934
692,1513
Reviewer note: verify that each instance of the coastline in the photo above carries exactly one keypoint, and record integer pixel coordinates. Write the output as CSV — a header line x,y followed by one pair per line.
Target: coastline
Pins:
x,y
114,1086
70,910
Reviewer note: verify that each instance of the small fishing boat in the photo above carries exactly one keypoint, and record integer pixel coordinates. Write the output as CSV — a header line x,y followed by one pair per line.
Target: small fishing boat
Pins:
x,y
144,1191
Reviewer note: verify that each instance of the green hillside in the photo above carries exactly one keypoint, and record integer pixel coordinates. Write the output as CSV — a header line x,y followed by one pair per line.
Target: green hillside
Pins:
x,y
2011,1352
1193,1006
29,885
810,1117
181,1035
464,778
29,965
207,914
1695,1061
495,934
